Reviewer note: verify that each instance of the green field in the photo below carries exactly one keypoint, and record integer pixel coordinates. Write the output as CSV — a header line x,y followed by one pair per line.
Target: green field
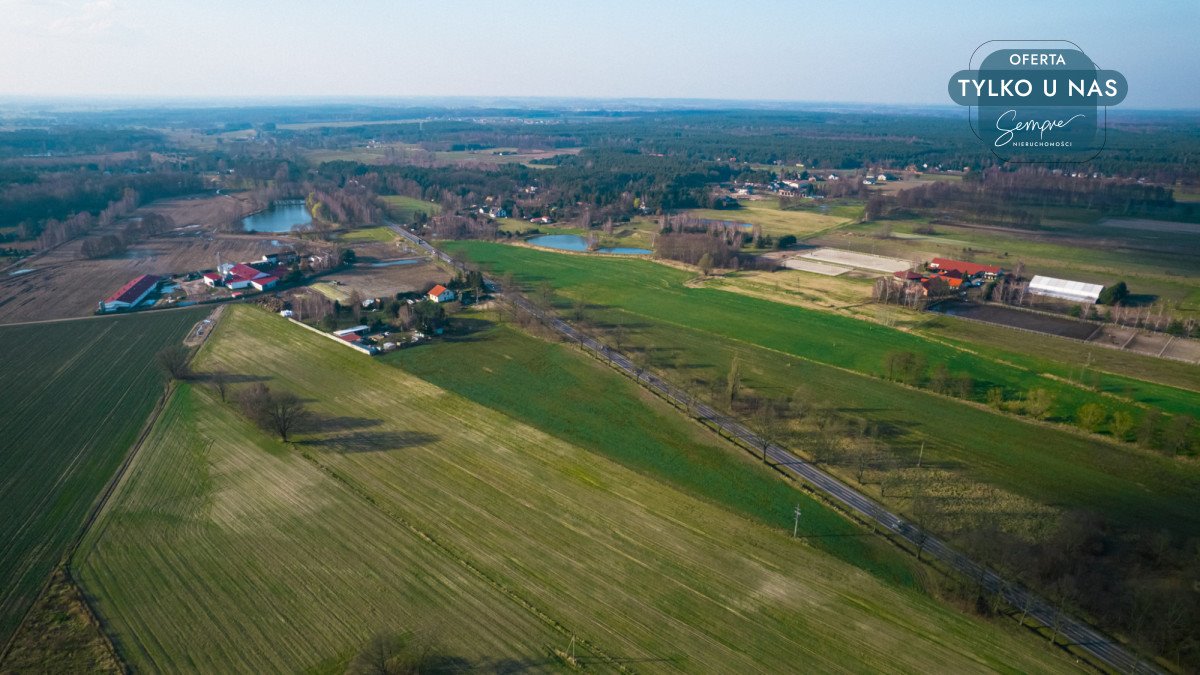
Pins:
x,y
76,393
696,331
417,509
1121,372
381,233
500,366
405,209
775,222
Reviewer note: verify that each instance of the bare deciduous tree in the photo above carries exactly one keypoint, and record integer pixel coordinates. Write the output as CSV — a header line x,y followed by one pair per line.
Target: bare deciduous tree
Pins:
x,y
174,361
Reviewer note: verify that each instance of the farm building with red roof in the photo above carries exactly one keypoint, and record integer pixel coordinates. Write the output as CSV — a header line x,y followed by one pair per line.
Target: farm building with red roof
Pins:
x,y
967,269
241,275
131,294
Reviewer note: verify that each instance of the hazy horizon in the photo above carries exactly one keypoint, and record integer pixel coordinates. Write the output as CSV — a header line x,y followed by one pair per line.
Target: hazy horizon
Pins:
x,y
754,52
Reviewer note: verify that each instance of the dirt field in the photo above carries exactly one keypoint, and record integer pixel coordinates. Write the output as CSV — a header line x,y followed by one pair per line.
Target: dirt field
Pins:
x,y
1114,336
806,265
1158,344
384,268
864,261
65,284
1016,318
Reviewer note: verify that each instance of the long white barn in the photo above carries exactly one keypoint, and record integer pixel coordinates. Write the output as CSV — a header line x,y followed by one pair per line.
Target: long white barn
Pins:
x,y
1064,289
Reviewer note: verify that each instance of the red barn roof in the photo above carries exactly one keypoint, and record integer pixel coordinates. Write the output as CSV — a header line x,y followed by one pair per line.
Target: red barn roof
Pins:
x,y
130,292
246,272
213,275
968,268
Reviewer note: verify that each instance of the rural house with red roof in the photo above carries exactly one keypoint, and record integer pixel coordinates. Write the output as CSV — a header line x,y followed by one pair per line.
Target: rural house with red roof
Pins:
x,y
440,293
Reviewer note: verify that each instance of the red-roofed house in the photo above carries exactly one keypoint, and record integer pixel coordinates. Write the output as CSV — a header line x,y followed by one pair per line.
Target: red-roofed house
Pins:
x,y
440,293
132,293
241,275
967,269
263,283
213,279
908,275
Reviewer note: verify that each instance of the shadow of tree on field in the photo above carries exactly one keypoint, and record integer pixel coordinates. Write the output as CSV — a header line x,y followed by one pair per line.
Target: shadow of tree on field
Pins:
x,y
229,378
317,422
371,441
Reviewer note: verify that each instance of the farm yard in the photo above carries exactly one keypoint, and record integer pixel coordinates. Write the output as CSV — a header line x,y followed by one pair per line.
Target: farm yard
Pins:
x,y
1158,266
76,393
504,541
65,284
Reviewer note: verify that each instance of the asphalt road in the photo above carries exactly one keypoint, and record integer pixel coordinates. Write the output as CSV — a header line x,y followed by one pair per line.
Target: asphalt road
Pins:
x,y
1038,609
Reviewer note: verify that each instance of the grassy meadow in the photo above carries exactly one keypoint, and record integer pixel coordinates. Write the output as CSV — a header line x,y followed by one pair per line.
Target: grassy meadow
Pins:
x,y
411,507
405,209
76,394
775,221
695,332
369,234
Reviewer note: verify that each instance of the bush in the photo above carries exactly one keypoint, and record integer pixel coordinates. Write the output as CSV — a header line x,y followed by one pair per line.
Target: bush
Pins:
x,y
1091,416
1112,295
1039,403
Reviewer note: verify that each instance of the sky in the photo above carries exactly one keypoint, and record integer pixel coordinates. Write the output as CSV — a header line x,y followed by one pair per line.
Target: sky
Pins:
x,y
784,50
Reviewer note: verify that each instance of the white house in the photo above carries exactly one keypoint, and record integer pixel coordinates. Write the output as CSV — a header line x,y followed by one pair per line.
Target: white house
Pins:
x,y
440,293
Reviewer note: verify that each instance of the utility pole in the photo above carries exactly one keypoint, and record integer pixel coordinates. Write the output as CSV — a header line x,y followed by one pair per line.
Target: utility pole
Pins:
x,y
796,523
920,454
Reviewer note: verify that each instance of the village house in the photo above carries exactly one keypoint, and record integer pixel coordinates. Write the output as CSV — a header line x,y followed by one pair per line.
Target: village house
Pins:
x,y
440,293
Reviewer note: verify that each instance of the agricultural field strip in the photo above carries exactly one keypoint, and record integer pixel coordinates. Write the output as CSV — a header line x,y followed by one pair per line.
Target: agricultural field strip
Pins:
x,y
792,329
58,445
1108,651
590,510
208,491
1080,633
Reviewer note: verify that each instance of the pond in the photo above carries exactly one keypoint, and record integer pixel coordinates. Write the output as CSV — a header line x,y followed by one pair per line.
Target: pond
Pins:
x,y
574,242
281,217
